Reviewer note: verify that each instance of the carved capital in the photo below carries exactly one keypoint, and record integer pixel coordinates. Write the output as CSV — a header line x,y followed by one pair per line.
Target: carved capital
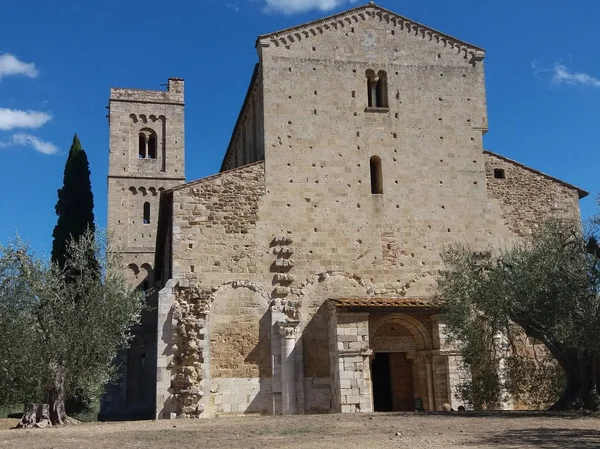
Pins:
x,y
287,329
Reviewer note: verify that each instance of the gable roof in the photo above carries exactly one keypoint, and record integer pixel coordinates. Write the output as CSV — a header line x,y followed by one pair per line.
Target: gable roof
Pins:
x,y
212,177
365,12
582,193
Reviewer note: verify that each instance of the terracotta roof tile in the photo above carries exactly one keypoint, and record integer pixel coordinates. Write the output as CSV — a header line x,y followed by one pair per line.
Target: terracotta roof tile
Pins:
x,y
383,302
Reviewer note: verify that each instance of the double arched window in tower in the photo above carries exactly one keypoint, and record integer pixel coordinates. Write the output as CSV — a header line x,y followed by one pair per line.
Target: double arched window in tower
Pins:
x,y
147,144
377,91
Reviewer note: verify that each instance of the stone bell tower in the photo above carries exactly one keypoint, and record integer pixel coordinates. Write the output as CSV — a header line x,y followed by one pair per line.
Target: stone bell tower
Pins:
x,y
146,157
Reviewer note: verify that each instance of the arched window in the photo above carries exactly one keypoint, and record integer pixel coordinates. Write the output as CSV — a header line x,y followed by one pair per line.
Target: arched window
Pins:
x,y
147,144
152,146
376,176
377,94
146,213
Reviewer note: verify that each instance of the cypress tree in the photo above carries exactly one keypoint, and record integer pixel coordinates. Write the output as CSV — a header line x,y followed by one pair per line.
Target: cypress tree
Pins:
x,y
75,205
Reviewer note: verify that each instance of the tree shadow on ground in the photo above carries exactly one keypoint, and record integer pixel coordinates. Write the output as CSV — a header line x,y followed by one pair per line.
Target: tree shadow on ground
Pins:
x,y
504,414
544,438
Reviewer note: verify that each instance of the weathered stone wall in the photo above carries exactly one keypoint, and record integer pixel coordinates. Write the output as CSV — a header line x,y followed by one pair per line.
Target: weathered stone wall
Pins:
x,y
213,245
215,225
527,197
350,344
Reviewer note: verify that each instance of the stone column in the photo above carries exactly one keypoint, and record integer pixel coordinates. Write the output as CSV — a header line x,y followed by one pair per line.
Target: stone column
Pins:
x,y
430,392
145,146
287,332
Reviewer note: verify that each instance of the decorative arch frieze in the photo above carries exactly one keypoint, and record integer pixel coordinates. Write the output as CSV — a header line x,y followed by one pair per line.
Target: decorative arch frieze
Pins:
x,y
288,36
146,190
145,119
134,268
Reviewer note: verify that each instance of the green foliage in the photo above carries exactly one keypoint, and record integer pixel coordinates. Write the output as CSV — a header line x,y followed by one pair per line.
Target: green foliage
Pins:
x,y
545,287
70,320
75,205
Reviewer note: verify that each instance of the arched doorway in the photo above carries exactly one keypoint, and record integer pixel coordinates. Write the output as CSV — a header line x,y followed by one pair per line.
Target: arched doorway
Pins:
x,y
397,379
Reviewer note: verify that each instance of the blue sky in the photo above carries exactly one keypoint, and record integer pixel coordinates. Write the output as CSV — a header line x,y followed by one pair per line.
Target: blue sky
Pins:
x,y
58,60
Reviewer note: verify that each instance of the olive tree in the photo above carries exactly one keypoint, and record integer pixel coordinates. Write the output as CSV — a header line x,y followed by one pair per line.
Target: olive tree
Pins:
x,y
61,327
544,287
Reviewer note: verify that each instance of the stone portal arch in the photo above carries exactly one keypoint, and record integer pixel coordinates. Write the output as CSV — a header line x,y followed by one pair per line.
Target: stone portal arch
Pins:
x,y
422,338
401,347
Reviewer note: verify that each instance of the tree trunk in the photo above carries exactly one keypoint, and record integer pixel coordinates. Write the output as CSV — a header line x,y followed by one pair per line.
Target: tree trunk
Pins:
x,y
580,392
35,415
52,411
55,396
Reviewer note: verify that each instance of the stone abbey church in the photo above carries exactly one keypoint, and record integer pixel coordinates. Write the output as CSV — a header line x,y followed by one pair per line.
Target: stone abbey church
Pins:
x,y
299,278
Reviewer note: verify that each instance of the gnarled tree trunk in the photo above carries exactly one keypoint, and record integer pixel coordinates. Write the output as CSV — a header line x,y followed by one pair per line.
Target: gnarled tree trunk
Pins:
x,y
52,411
55,397
35,415
580,391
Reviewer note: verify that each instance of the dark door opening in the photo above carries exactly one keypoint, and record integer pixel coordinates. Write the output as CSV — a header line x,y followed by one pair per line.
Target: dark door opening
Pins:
x,y
382,384
401,373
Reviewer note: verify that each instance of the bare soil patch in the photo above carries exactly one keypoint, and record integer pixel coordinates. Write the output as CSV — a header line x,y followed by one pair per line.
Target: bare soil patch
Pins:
x,y
394,430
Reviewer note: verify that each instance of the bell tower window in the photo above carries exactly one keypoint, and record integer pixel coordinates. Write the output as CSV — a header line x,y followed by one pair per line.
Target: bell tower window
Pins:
x,y
147,143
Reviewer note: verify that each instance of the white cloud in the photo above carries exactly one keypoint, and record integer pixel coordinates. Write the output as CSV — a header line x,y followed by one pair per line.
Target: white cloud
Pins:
x,y
298,6
15,118
562,75
27,140
10,65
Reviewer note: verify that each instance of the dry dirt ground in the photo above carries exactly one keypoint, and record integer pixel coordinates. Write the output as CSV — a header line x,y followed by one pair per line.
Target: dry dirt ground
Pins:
x,y
365,431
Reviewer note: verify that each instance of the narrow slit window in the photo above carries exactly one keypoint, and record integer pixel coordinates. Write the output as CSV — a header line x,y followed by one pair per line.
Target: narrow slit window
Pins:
x,y
146,213
151,147
376,176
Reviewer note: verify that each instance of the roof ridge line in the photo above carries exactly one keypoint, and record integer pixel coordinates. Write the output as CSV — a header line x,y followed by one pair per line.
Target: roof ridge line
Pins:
x,y
211,177
582,193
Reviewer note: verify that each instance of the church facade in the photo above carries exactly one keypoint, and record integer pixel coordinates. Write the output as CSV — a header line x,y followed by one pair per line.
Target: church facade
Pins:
x,y
300,278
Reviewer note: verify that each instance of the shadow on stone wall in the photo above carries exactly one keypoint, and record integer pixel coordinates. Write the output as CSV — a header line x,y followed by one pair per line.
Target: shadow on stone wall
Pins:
x,y
261,357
